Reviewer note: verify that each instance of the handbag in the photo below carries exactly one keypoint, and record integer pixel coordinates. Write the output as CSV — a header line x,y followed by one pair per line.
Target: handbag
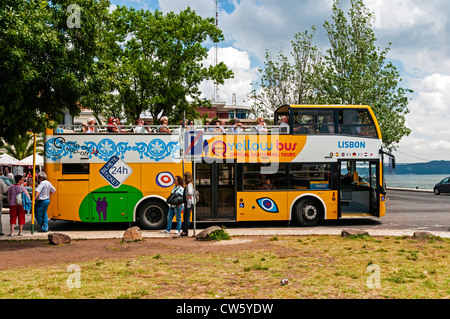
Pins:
x,y
19,199
175,199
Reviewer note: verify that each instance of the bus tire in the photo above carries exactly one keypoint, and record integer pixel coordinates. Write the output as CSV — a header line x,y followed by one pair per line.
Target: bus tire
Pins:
x,y
152,214
308,212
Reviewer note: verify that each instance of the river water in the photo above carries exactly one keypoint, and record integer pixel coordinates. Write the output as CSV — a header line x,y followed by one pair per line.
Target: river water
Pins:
x,y
413,181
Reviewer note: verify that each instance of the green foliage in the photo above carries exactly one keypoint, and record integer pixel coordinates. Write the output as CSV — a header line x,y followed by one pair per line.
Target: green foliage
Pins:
x,y
44,63
153,62
123,62
353,71
285,82
219,235
24,145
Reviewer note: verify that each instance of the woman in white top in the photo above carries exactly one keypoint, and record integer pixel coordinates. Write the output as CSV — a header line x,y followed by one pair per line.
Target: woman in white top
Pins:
x,y
188,202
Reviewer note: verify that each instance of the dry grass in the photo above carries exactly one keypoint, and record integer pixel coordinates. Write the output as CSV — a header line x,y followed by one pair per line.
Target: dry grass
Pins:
x,y
315,266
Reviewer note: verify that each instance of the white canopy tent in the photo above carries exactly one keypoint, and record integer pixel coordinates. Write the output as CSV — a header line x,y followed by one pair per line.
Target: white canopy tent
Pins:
x,y
6,159
29,160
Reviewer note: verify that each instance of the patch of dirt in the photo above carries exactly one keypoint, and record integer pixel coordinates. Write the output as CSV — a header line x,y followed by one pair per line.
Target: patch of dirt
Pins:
x,y
17,254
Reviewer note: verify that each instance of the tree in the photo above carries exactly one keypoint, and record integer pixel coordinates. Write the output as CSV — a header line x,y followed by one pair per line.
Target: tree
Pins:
x,y
24,146
355,71
155,62
46,57
285,82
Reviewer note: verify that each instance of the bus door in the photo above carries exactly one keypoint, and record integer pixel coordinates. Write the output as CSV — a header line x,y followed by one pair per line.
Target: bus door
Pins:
x,y
358,188
215,183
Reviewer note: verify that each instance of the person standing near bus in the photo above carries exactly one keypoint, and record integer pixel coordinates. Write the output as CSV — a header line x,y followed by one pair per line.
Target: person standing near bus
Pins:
x,y
15,210
188,196
3,190
43,193
173,209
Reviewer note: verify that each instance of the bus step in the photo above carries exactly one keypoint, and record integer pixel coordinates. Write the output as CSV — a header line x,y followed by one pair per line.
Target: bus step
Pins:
x,y
355,215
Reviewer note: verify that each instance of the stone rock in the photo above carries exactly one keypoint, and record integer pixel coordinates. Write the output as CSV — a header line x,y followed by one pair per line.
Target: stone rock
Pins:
x,y
353,232
58,239
205,232
132,234
422,235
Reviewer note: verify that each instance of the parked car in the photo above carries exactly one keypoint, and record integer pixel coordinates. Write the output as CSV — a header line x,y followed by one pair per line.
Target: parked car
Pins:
x,y
9,182
443,186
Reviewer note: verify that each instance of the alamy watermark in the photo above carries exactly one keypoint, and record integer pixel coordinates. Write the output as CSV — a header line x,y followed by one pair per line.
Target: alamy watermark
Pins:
x,y
374,279
74,19
74,279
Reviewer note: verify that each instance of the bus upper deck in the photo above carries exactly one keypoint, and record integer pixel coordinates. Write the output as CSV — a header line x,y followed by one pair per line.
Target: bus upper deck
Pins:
x,y
323,162
357,120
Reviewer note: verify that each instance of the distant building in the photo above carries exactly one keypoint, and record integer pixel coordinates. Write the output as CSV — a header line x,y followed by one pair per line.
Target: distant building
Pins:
x,y
222,110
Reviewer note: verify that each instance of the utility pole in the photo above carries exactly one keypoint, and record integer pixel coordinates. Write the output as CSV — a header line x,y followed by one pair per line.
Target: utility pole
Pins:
x,y
216,86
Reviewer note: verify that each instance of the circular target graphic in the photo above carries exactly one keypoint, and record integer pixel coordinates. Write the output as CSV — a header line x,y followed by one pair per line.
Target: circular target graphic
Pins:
x,y
267,204
164,179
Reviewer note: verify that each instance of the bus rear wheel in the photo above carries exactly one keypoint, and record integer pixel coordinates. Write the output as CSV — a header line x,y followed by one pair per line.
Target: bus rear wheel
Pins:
x,y
152,214
308,212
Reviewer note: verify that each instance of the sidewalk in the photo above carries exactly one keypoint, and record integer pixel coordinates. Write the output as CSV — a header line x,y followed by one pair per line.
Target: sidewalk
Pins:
x,y
250,231
267,231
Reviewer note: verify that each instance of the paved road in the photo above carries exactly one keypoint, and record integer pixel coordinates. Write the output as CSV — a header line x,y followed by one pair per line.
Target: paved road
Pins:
x,y
417,210
407,211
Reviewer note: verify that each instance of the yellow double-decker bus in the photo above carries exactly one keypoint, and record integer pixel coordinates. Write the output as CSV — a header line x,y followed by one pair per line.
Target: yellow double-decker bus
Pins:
x,y
316,163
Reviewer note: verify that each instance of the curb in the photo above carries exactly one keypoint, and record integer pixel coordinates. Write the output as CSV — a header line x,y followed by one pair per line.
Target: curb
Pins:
x,y
118,234
410,189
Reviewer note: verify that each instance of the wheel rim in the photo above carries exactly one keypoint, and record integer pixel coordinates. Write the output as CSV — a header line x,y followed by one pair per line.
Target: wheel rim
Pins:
x,y
153,214
309,211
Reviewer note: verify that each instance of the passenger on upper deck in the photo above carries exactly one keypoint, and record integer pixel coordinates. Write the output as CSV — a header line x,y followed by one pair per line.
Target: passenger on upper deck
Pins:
x,y
217,127
261,127
221,125
88,128
113,125
327,125
139,128
284,121
284,124
163,128
237,127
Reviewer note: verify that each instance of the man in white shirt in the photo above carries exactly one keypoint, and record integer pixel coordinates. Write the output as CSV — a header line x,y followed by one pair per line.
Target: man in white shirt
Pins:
x,y
43,193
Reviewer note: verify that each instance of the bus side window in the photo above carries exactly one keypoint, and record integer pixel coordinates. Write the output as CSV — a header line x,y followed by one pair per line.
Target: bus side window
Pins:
x,y
356,122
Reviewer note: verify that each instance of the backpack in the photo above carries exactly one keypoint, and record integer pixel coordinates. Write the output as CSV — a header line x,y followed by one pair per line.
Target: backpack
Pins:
x,y
196,197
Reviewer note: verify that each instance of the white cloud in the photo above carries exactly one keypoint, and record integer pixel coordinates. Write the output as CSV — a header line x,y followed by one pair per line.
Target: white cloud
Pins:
x,y
428,118
239,63
204,8
419,32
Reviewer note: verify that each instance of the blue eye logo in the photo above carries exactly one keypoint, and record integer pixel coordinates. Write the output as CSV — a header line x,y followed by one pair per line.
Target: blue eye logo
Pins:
x,y
267,204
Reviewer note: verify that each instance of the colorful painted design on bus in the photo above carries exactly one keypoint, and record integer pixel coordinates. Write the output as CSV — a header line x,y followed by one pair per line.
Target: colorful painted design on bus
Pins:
x,y
74,147
325,174
108,204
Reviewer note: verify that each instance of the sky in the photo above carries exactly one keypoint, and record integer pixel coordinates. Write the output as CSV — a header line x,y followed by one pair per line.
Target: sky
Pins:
x,y
419,32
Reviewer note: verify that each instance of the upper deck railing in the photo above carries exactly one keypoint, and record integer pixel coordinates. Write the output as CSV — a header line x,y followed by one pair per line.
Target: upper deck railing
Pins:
x,y
172,129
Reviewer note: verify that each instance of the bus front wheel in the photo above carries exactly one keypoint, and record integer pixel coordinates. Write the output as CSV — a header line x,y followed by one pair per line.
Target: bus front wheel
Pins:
x,y
308,212
152,214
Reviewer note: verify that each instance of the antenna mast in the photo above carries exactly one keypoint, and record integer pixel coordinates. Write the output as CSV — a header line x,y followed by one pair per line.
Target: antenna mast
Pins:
x,y
216,86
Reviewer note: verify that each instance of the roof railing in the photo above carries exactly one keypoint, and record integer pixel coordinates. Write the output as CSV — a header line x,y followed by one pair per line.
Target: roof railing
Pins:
x,y
173,129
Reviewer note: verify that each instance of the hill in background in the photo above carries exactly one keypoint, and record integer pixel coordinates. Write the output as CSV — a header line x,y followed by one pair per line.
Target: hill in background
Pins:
x,y
433,167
